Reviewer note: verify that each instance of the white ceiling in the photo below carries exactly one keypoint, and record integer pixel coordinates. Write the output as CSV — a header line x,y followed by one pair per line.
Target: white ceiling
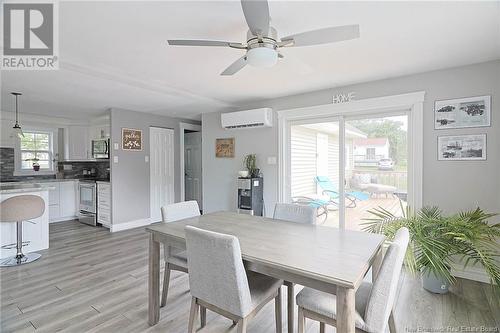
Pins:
x,y
114,54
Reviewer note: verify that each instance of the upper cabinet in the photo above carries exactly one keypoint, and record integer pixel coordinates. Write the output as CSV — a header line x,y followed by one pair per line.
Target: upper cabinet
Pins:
x,y
78,139
76,143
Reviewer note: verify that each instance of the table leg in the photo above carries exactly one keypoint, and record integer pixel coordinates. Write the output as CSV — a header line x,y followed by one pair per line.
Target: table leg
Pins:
x,y
345,310
154,281
290,307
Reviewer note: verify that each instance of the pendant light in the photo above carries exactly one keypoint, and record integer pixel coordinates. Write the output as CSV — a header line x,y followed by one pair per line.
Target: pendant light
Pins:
x,y
16,130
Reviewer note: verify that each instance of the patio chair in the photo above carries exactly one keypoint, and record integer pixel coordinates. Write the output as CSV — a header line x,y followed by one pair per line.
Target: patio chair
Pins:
x,y
332,191
321,205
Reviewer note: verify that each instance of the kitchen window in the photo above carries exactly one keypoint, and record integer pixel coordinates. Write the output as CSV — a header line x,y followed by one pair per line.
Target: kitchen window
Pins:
x,y
36,146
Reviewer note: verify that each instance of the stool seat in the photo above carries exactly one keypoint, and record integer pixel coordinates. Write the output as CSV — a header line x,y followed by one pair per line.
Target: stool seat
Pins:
x,y
18,209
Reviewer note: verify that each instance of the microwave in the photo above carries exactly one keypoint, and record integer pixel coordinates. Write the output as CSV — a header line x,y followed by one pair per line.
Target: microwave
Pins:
x,y
100,148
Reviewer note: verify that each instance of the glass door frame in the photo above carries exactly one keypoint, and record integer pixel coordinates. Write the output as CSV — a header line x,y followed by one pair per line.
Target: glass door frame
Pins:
x,y
410,104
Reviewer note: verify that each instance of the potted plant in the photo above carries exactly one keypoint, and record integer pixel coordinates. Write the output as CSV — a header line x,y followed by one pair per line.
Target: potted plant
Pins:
x,y
250,162
438,242
36,165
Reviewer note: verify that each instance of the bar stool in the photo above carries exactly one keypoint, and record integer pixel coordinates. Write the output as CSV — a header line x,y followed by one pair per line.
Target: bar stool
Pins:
x,y
18,209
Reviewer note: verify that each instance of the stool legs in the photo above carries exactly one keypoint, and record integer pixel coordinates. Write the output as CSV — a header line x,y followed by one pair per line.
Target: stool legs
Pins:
x,y
20,258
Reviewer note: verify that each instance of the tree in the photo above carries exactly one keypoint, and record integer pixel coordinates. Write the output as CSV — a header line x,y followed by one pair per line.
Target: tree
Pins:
x,y
386,128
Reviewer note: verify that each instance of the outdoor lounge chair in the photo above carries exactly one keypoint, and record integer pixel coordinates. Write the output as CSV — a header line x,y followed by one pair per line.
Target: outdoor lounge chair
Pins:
x,y
332,191
320,204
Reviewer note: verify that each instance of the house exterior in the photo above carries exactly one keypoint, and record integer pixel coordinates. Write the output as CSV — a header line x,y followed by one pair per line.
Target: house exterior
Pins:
x,y
368,151
315,152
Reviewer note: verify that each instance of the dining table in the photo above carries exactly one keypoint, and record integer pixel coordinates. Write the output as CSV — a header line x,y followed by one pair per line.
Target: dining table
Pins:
x,y
325,258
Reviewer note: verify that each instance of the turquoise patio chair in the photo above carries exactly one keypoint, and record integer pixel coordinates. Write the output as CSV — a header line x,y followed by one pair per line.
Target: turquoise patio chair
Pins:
x,y
332,191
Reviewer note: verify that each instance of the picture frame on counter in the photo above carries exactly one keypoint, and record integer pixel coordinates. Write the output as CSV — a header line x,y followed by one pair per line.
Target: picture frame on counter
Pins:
x,y
470,147
131,139
463,112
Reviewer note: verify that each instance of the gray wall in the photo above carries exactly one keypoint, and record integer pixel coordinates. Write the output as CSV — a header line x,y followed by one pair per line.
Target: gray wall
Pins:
x,y
452,185
130,176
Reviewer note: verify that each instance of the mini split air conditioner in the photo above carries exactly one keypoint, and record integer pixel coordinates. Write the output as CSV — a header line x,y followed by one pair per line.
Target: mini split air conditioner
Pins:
x,y
248,119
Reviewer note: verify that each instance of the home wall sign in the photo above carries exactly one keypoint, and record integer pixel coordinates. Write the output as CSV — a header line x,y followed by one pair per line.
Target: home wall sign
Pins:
x,y
343,97
131,139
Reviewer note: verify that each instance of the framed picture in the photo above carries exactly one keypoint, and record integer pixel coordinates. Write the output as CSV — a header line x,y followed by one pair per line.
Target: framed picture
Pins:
x,y
463,112
131,139
224,147
462,147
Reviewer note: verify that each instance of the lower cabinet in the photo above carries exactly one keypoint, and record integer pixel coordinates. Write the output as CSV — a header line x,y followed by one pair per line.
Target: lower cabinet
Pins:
x,y
104,204
63,201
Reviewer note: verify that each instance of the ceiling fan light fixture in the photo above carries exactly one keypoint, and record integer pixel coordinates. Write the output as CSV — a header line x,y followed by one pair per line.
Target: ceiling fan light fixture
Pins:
x,y
262,57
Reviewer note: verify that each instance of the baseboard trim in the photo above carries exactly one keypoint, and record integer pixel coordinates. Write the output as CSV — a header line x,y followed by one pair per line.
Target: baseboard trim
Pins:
x,y
64,219
130,225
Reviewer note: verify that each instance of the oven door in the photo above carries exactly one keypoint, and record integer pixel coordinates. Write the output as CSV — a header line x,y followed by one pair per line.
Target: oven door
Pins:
x,y
88,197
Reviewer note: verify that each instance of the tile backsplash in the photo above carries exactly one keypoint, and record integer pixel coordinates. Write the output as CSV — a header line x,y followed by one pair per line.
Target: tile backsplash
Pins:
x,y
72,170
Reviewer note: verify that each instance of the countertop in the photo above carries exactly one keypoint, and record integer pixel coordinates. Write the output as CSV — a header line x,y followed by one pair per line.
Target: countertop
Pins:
x,y
23,187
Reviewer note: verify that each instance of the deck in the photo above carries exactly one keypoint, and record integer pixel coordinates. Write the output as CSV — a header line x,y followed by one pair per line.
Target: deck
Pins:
x,y
355,216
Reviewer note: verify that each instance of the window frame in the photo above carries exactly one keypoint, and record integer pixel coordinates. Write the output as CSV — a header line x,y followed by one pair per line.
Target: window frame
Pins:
x,y
53,153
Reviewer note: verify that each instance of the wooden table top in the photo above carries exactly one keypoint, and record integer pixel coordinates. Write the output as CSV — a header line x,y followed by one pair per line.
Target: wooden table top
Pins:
x,y
326,254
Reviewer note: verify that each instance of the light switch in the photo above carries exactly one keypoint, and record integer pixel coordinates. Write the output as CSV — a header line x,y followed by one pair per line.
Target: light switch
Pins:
x,y
115,159
115,145
271,160
146,158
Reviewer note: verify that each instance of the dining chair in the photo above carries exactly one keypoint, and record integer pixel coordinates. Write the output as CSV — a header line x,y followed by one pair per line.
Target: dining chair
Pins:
x,y
373,302
300,214
175,259
219,282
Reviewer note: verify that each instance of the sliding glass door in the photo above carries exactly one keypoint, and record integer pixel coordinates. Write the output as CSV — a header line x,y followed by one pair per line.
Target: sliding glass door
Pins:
x,y
314,161
348,166
376,168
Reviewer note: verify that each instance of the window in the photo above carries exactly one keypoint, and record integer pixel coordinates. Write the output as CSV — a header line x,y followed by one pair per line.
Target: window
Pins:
x,y
36,146
370,154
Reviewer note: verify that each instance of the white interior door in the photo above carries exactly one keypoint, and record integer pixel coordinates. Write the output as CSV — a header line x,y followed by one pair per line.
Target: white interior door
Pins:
x,y
192,167
161,170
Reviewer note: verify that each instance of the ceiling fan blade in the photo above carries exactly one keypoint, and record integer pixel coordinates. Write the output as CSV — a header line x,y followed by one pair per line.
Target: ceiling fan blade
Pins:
x,y
198,42
322,36
235,66
257,16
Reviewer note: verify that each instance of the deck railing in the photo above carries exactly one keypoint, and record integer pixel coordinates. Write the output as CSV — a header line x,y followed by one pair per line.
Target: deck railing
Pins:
x,y
398,179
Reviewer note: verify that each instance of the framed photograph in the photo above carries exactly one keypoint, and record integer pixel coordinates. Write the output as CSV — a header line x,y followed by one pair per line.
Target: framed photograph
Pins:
x,y
463,112
224,147
131,139
462,147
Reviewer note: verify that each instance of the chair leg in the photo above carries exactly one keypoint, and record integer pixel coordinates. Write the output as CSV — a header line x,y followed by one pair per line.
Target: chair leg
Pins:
x,y
203,316
277,312
193,313
302,321
242,325
392,323
290,306
321,327
166,282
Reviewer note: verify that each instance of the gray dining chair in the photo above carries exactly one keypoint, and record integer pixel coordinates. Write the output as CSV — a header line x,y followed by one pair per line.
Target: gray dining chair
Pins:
x,y
373,302
175,259
299,214
219,282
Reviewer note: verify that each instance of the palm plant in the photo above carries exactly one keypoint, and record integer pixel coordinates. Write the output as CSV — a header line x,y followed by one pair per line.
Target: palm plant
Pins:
x,y
438,241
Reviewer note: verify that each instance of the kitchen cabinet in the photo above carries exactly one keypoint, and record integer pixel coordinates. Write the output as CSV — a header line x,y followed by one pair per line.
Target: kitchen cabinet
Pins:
x,y
104,203
63,201
36,231
102,131
76,143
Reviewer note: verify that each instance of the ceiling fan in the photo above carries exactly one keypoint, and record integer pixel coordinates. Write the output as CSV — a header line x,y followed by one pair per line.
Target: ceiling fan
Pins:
x,y
262,45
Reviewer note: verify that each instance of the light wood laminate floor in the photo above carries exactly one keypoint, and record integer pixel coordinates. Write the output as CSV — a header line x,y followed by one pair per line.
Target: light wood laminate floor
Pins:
x,y
91,280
